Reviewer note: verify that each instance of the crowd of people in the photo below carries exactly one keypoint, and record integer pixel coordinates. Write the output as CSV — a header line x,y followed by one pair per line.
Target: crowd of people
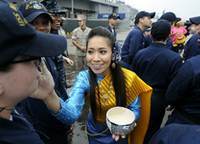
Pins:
x,y
155,70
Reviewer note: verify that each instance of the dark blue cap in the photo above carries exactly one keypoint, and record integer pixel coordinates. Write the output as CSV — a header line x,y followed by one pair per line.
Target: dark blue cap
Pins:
x,y
113,16
53,7
50,4
13,1
170,16
195,20
19,38
32,9
142,14
161,29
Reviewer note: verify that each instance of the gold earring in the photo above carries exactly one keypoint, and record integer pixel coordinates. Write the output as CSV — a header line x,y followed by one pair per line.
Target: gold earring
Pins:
x,y
113,65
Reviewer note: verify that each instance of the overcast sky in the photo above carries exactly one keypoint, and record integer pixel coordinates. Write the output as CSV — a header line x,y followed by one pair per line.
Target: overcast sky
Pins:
x,y
182,8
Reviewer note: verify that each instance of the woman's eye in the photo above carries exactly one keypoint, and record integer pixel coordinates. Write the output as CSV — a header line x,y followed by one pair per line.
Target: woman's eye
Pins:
x,y
103,52
89,52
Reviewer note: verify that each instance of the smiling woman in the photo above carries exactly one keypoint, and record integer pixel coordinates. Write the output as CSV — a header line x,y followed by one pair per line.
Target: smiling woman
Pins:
x,y
99,55
108,85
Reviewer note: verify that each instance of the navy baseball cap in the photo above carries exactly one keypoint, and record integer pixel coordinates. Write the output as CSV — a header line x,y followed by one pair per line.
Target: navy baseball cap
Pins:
x,y
53,7
18,38
195,20
32,9
142,14
113,16
160,29
170,16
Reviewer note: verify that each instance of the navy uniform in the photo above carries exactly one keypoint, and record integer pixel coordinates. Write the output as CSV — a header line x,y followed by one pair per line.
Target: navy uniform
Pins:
x,y
51,130
133,43
177,134
17,131
183,93
157,65
113,31
135,40
192,47
111,27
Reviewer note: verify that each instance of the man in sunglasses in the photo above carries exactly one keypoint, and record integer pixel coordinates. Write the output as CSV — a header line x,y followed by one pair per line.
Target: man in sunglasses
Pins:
x,y
49,128
21,73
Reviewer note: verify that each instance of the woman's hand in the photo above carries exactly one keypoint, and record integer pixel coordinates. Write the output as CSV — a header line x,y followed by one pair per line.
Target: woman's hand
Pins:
x,y
116,137
45,84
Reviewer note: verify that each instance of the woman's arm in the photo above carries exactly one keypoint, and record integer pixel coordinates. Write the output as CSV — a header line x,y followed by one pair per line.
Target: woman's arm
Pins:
x,y
71,109
135,107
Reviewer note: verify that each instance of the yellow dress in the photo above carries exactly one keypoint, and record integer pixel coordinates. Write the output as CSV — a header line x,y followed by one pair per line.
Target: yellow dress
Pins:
x,y
134,87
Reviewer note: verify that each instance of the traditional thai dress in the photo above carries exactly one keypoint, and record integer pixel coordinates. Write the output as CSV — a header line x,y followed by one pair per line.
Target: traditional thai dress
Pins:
x,y
138,96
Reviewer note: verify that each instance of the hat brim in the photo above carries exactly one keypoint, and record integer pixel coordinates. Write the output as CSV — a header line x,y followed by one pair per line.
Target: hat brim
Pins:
x,y
152,15
117,17
34,15
45,45
195,20
178,19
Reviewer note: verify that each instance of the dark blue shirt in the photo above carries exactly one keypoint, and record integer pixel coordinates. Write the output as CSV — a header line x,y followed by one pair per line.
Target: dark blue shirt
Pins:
x,y
156,65
177,134
147,41
184,91
133,43
169,44
18,131
192,47
113,31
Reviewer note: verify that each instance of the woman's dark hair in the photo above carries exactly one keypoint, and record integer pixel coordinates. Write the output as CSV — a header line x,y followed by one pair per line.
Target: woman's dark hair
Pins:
x,y
118,79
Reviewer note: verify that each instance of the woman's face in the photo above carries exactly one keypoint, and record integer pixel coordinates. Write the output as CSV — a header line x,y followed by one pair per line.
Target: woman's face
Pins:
x,y
20,81
99,55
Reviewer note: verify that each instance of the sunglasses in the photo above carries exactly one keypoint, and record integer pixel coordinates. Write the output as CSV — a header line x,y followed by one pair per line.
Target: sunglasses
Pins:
x,y
37,61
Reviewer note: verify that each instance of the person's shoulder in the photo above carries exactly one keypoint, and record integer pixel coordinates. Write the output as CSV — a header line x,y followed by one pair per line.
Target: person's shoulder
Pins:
x,y
135,32
136,29
194,59
144,50
83,74
194,37
128,73
194,62
88,28
184,133
171,53
144,53
76,29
